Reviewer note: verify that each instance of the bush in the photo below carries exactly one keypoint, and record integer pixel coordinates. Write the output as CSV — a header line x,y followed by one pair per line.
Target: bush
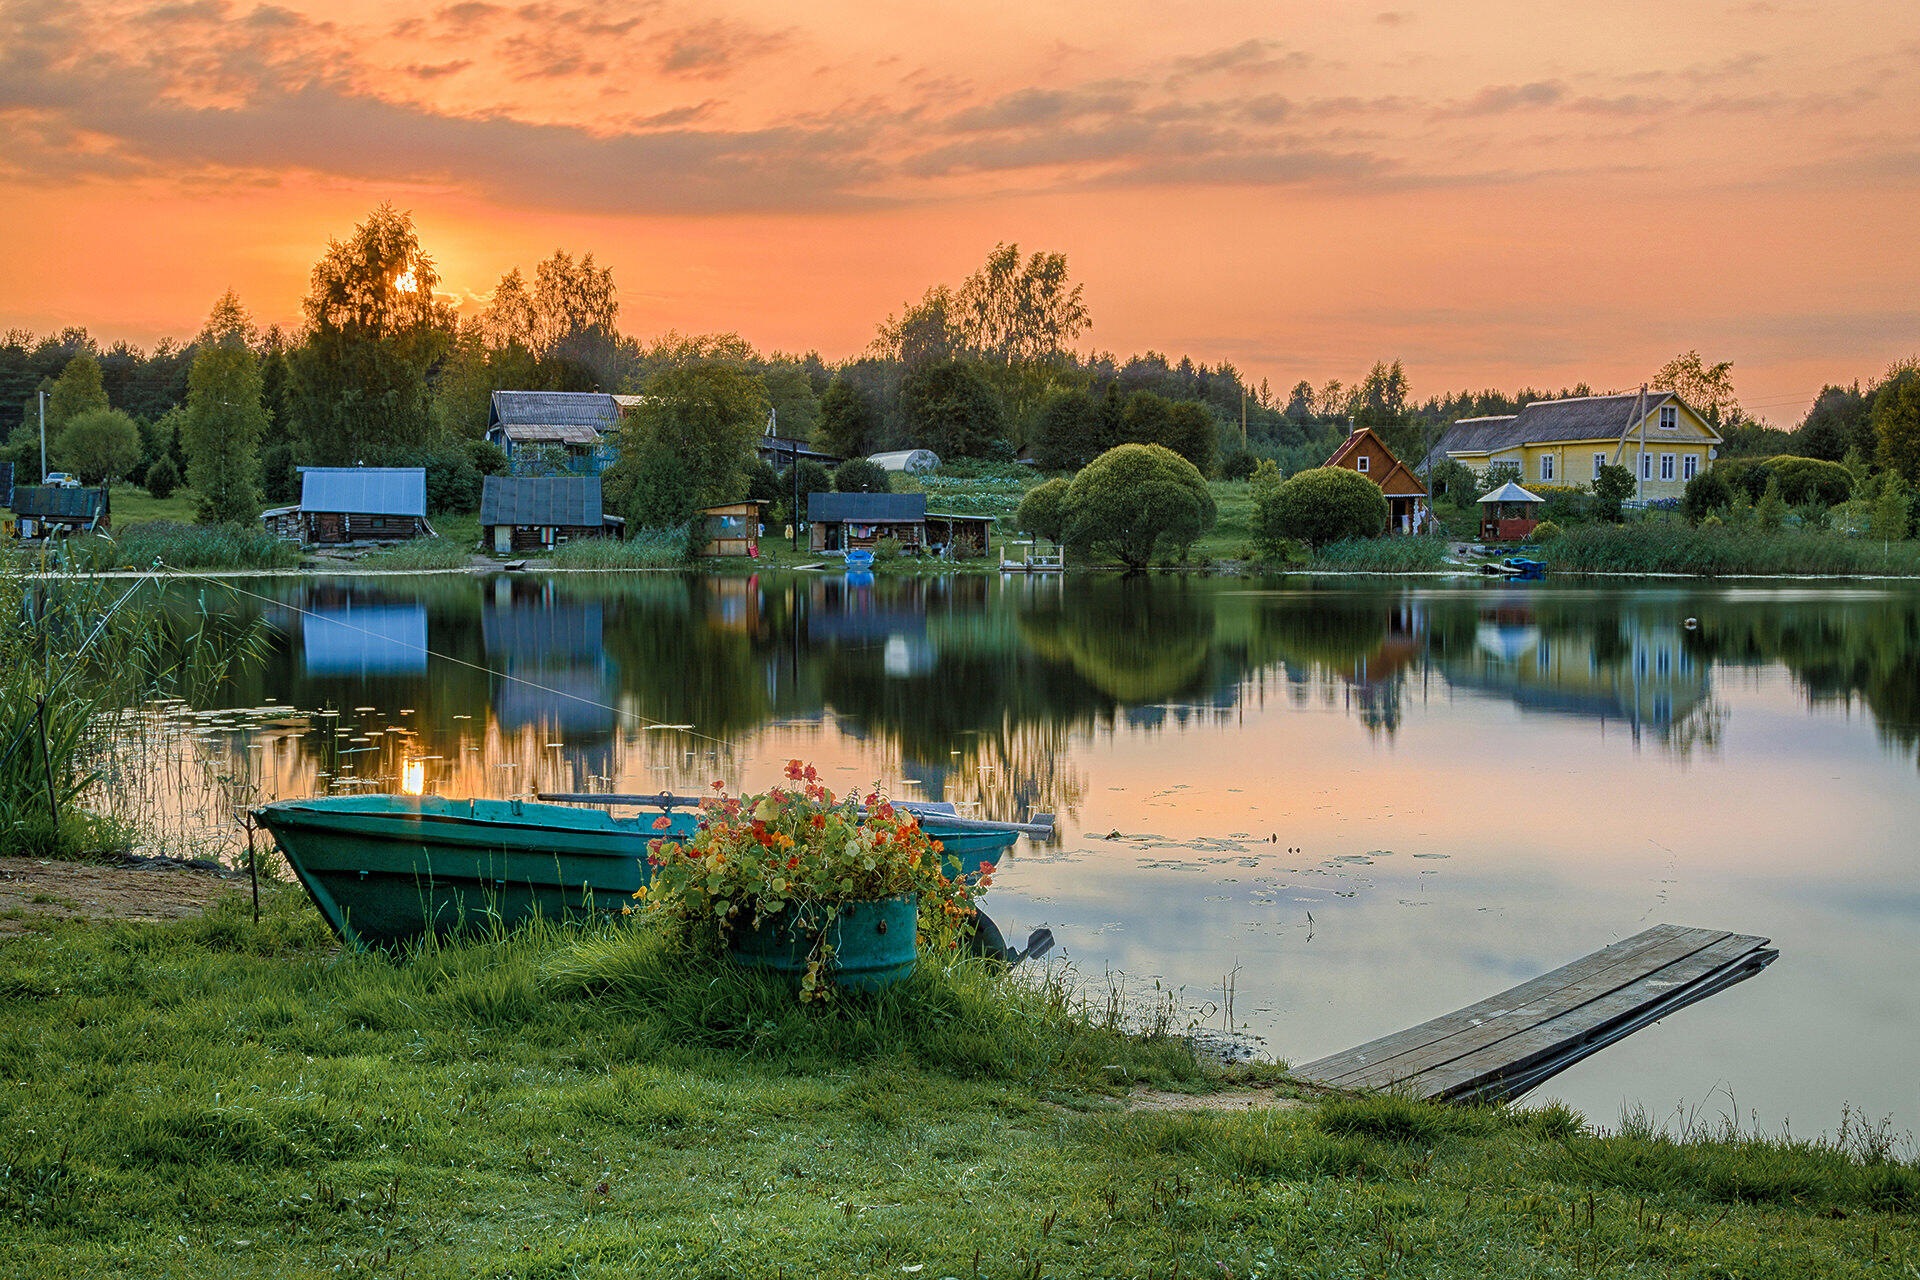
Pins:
x,y
1705,493
163,478
98,445
1325,504
453,480
1238,465
1771,511
857,475
886,549
1613,486
1562,503
1043,510
1801,480
1546,531
659,492
1135,498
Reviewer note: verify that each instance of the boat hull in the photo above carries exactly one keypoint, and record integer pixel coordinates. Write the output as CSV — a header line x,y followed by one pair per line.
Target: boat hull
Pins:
x,y
387,870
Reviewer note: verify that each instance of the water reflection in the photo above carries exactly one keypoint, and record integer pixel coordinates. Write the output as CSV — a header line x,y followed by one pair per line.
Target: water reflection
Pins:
x,y
1379,801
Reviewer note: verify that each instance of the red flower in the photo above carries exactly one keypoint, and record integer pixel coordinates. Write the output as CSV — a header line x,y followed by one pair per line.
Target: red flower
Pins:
x,y
809,774
662,822
719,785
793,862
793,769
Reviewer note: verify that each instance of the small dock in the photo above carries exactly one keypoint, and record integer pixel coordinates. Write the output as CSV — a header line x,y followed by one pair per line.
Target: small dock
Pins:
x,y
1505,1045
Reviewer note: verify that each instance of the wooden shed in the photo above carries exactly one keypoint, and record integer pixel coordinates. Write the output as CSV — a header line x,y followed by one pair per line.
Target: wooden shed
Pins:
x,y
340,505
539,513
845,521
732,528
958,537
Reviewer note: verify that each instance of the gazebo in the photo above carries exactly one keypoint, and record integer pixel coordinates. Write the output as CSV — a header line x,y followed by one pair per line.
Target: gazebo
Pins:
x,y
1509,513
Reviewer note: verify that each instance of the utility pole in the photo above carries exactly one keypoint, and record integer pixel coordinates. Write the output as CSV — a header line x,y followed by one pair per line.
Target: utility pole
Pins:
x,y
43,437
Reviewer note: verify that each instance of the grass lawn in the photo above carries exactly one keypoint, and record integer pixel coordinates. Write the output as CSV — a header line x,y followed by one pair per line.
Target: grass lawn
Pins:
x,y
211,1097
132,504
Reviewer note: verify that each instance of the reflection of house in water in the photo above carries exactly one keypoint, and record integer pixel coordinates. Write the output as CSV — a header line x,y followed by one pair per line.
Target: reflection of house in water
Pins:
x,y
842,615
348,639
551,671
1642,674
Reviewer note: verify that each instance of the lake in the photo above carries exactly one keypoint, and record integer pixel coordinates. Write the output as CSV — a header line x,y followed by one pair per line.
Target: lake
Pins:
x,y
1341,807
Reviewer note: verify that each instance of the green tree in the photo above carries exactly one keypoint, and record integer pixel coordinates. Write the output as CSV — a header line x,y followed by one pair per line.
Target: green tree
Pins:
x,y
663,493
1192,433
1838,418
1707,388
796,409
374,328
848,424
952,410
163,478
1613,486
1043,509
1771,511
1892,510
1896,421
707,416
857,475
98,445
225,420
1134,499
77,390
1323,505
1067,434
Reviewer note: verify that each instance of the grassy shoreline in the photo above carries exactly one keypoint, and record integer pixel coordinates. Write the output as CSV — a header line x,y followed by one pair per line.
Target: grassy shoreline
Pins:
x,y
212,1097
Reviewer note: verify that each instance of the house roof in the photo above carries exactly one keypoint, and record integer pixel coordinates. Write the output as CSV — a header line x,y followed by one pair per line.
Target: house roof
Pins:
x,y
1511,492
867,508
594,409
54,502
1396,481
1547,421
365,491
541,500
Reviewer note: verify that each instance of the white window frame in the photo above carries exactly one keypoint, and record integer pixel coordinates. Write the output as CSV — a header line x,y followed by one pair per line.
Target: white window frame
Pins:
x,y
1666,466
1599,461
1363,463
1689,465
1646,466
1669,418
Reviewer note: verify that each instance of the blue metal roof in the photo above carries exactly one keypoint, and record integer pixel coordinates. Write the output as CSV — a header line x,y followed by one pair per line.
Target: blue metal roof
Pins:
x,y
867,508
365,491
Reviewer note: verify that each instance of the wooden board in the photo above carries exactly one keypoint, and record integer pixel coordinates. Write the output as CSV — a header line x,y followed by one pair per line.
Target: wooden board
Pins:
x,y
1507,1043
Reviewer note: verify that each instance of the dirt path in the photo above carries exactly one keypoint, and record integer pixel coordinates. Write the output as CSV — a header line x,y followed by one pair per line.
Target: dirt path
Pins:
x,y
1225,1100
32,890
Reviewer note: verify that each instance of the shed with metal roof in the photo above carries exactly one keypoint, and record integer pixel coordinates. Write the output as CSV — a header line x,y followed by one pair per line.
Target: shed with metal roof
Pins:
x,y
363,504
539,513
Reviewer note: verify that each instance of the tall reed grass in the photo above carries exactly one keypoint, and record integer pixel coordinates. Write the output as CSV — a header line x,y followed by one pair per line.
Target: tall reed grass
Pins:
x,y
170,544
1666,546
1382,555
421,553
646,549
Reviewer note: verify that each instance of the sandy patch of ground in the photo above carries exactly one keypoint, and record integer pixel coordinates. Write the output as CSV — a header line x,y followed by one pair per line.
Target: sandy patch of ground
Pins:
x,y
1225,1100
32,890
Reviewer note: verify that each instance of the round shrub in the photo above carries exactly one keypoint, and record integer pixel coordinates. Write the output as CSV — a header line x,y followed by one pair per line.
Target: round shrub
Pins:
x,y
858,475
1814,481
1326,504
1043,511
1706,493
163,478
1135,498
1546,531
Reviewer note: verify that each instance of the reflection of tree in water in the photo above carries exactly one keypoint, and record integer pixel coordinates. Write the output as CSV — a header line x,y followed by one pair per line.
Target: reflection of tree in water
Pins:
x,y
1364,642
1132,638
1837,650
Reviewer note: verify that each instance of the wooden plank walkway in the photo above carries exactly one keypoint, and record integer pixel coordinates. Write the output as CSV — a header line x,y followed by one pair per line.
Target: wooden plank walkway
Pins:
x,y
1506,1044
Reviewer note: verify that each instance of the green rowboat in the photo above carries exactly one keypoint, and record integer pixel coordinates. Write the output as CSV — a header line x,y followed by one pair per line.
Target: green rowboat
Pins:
x,y
385,870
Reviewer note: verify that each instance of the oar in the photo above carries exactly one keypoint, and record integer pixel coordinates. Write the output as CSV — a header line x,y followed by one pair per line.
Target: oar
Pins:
x,y
672,801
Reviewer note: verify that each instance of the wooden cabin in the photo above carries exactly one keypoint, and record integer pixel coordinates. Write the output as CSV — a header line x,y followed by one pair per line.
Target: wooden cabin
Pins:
x,y
520,514
48,511
845,521
574,431
1365,452
732,528
345,505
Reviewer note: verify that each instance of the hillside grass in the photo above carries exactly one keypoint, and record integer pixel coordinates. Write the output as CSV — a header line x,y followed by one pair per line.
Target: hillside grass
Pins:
x,y
215,1097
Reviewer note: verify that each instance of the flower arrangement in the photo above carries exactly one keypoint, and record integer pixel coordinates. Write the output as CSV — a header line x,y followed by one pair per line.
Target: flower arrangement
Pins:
x,y
754,857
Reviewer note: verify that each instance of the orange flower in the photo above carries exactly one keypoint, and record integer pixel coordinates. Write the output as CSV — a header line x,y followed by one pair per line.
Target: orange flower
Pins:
x,y
662,822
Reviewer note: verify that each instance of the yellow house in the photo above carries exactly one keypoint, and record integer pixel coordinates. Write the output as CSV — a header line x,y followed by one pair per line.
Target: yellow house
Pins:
x,y
1662,441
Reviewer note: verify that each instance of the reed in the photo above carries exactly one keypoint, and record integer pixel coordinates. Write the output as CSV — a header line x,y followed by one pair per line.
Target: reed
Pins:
x,y
170,544
1668,546
646,549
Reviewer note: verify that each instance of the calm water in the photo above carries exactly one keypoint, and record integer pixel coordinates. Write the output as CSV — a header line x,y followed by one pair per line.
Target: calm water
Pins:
x,y
1369,804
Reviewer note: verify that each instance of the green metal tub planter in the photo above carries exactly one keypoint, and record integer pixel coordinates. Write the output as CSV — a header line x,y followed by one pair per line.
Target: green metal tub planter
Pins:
x,y
865,946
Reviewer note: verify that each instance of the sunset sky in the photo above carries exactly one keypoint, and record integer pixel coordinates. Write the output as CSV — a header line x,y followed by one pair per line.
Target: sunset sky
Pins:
x,y
1497,193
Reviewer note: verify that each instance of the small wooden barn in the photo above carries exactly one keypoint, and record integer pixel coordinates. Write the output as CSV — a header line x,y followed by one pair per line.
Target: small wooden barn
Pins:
x,y
732,528
1367,453
344,505
845,521
539,513
45,510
